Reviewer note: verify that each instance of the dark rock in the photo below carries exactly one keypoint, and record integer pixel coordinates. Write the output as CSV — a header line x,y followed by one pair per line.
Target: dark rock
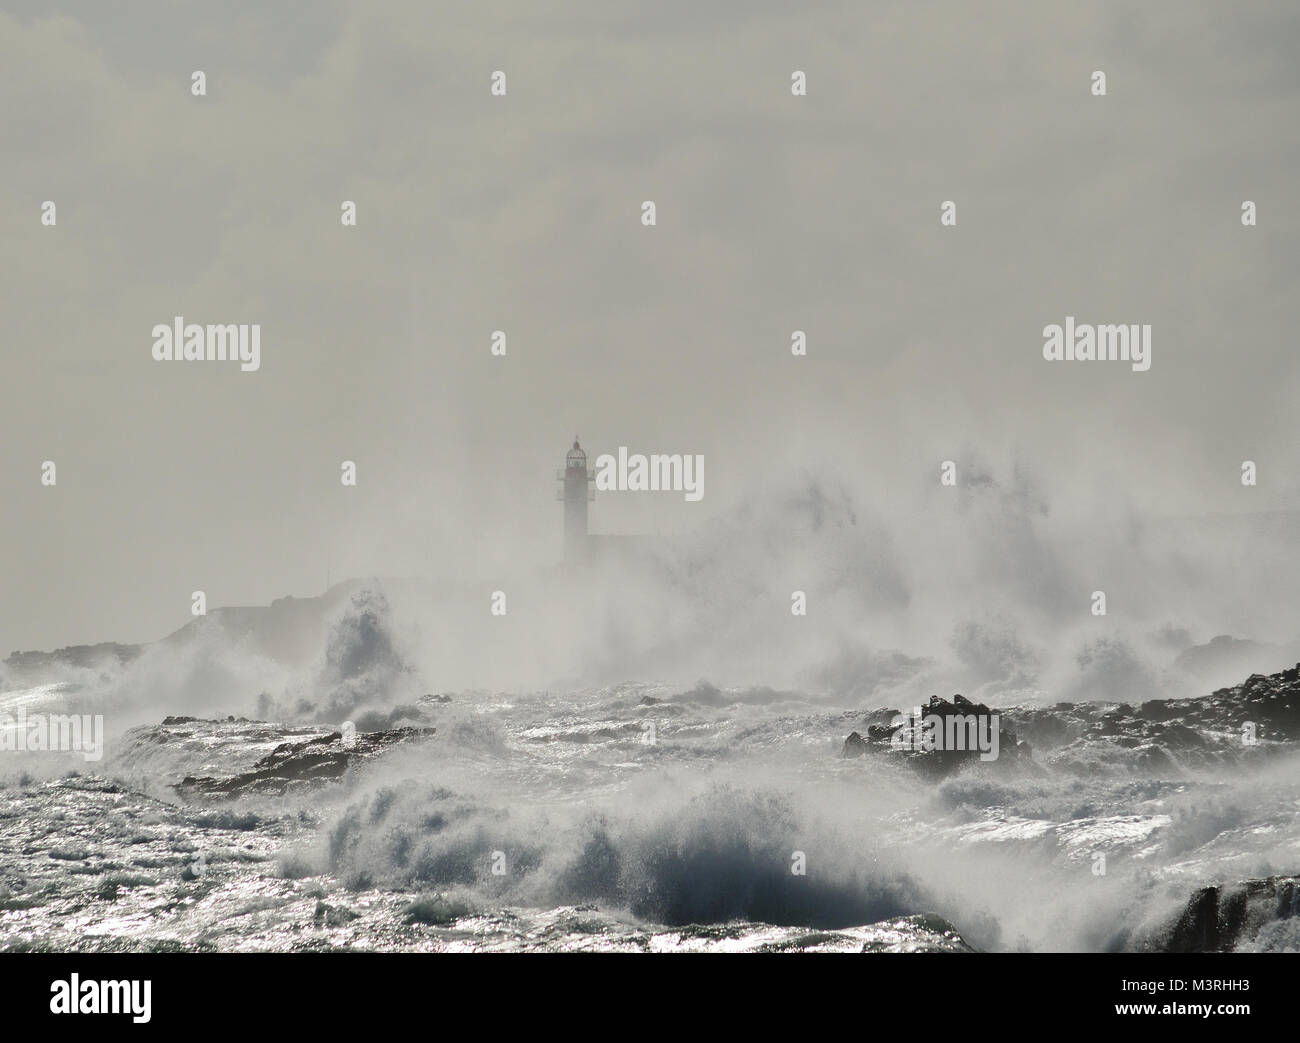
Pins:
x,y
333,915
1164,738
1220,918
1157,710
881,736
293,765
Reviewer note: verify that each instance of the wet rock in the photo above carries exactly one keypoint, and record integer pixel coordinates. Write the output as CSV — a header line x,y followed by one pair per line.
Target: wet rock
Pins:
x,y
1162,738
922,932
333,915
901,737
1224,917
295,765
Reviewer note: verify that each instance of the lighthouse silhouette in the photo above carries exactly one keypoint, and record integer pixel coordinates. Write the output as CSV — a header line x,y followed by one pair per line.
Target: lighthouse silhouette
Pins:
x,y
576,494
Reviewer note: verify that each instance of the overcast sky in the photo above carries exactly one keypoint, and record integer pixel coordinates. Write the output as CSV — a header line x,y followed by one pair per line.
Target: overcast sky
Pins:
x,y
522,213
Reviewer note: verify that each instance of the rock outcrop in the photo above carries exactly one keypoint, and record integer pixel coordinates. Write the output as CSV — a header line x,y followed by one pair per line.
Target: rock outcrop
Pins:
x,y
295,765
1226,917
1165,738
946,736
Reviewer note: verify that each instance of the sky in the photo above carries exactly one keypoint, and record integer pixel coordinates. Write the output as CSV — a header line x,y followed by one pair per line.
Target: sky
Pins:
x,y
522,213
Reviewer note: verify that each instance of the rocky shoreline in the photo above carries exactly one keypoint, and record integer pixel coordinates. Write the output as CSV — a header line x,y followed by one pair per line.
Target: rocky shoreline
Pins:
x,y
296,765
1163,738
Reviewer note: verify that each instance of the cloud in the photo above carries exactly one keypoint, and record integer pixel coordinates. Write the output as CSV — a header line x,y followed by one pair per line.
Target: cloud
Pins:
x,y
477,214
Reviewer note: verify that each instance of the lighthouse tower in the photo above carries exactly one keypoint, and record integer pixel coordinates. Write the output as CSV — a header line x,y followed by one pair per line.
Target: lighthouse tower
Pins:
x,y
576,494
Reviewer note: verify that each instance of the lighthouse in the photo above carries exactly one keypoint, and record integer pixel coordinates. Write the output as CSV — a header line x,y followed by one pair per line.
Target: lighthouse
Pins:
x,y
576,493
